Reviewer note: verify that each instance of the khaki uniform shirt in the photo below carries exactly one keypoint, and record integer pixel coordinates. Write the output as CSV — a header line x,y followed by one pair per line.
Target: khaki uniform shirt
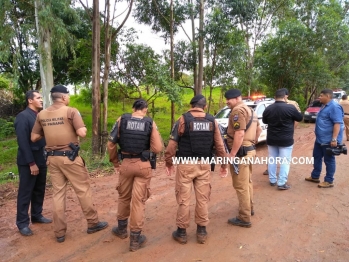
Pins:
x,y
60,142
345,105
239,118
291,102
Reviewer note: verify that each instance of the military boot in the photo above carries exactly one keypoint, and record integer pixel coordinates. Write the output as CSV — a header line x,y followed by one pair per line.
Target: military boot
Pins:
x,y
180,235
121,230
201,234
136,240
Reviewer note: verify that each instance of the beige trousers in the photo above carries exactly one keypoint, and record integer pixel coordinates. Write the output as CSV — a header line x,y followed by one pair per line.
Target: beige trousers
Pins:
x,y
63,170
198,177
244,187
134,190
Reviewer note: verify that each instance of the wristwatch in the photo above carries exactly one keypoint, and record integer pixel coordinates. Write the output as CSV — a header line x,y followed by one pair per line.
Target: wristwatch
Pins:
x,y
334,140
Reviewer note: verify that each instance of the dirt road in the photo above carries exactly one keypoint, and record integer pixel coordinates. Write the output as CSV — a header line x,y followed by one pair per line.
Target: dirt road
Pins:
x,y
305,223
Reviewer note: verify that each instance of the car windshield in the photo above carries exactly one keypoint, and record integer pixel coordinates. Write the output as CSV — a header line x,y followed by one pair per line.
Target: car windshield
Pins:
x,y
315,103
337,95
224,113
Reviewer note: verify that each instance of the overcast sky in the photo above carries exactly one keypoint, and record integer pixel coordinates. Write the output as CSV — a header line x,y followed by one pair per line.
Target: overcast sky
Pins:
x,y
145,35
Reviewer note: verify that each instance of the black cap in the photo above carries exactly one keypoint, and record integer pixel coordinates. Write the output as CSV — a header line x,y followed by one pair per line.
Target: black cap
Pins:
x,y
60,89
196,99
285,89
232,93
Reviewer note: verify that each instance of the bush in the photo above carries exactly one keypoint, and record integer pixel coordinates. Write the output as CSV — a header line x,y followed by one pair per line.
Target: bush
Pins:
x,y
7,128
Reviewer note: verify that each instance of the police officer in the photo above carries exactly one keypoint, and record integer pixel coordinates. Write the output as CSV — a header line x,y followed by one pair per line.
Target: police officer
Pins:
x,y
32,167
62,125
242,134
195,133
345,105
139,140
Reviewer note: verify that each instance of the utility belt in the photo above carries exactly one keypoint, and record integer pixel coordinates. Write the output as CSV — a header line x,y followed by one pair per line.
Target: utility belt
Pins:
x,y
144,156
70,154
243,150
130,156
59,153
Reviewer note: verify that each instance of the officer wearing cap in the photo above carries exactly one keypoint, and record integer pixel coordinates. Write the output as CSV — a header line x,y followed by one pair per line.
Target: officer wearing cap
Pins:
x,y
139,140
242,134
195,133
61,126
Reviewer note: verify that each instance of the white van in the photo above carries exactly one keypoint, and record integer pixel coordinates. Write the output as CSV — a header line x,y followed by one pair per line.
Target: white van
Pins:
x,y
222,116
337,95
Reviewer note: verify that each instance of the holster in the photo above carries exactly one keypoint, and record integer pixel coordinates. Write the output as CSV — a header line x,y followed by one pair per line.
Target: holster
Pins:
x,y
244,149
74,153
213,164
241,152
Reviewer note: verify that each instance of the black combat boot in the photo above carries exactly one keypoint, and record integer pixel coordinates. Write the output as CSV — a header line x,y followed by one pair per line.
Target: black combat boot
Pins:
x,y
121,229
201,234
180,235
136,240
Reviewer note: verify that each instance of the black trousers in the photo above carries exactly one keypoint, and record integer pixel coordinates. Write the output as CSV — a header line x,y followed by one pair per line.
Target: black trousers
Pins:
x,y
31,191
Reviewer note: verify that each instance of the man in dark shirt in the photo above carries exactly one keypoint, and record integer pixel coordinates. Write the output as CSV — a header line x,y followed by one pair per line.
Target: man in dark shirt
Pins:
x,y
31,167
280,118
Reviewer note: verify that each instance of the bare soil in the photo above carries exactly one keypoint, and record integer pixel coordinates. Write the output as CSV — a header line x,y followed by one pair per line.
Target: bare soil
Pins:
x,y
305,223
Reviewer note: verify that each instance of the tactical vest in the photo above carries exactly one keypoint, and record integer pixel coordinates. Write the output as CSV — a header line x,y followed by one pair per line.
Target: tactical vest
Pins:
x,y
58,130
135,134
197,139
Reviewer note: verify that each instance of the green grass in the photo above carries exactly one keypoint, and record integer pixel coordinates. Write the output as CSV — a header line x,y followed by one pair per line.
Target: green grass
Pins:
x,y
8,158
162,117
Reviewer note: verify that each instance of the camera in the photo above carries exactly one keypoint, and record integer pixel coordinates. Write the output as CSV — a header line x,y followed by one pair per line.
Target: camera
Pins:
x,y
339,149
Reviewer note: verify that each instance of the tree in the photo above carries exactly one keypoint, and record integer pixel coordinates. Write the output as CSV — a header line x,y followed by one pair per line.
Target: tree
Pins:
x,y
255,18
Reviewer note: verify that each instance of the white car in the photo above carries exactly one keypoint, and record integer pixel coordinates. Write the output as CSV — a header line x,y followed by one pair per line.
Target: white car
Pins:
x,y
222,116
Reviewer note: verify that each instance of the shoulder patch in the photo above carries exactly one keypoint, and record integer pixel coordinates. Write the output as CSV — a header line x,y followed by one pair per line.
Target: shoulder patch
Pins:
x,y
236,125
236,117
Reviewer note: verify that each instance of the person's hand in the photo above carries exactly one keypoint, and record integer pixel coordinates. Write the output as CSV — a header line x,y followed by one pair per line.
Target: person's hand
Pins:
x,y
334,144
169,170
34,170
223,172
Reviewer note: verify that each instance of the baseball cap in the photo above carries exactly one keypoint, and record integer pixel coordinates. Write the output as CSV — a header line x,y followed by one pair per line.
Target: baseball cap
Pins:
x,y
232,93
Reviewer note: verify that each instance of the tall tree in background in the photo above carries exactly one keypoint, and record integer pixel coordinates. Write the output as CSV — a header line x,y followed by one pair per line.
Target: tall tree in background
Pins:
x,y
254,18
109,37
45,55
164,17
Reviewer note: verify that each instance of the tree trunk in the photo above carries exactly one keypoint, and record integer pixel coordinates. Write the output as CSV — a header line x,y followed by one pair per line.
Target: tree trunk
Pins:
x,y
107,46
45,58
201,49
195,67
172,64
96,118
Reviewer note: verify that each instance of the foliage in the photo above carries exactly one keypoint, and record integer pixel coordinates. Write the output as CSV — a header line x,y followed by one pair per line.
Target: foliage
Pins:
x,y
6,128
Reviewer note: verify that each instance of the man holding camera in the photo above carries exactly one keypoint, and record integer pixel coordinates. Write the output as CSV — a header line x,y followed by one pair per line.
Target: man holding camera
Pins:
x,y
61,126
329,132
139,141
